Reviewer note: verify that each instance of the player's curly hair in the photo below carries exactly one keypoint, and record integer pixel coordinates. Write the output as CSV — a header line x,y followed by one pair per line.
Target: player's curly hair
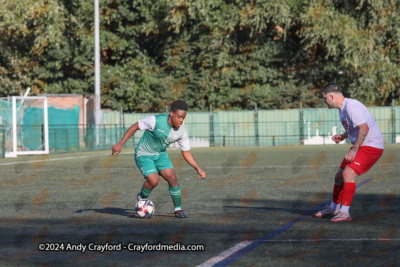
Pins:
x,y
179,105
332,88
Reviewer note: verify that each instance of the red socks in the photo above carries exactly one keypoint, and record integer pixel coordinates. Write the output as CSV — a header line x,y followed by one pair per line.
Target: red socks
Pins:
x,y
348,192
337,194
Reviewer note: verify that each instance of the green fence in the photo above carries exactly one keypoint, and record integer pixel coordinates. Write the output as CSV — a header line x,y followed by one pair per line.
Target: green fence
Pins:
x,y
247,128
215,129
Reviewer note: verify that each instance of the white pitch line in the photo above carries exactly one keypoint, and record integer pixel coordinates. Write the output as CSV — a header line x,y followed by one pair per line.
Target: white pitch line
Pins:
x,y
41,160
127,153
229,252
225,254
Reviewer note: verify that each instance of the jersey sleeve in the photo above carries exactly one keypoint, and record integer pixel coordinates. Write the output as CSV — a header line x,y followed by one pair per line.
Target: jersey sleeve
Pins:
x,y
184,143
357,115
148,123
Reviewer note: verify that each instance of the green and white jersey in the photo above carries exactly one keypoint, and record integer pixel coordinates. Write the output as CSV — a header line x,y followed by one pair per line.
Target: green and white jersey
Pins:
x,y
159,135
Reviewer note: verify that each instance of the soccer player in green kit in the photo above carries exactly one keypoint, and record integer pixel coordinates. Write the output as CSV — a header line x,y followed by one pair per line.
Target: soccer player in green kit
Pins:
x,y
151,156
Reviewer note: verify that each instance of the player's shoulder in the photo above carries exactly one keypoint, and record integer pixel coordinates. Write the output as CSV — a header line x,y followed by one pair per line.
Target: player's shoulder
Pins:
x,y
147,123
352,101
161,115
151,117
354,105
161,121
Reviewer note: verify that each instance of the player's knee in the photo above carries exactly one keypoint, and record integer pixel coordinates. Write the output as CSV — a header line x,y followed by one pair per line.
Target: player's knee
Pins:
x,y
349,174
339,179
152,182
173,182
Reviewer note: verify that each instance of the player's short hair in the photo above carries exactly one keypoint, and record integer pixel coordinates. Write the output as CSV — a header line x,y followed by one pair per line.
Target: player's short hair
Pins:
x,y
179,105
332,88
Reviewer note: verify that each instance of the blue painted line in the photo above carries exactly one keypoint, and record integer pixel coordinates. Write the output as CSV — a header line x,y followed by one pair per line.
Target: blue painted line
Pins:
x,y
256,243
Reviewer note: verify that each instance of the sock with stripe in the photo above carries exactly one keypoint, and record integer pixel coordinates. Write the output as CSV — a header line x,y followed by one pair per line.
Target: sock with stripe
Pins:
x,y
348,192
145,193
175,193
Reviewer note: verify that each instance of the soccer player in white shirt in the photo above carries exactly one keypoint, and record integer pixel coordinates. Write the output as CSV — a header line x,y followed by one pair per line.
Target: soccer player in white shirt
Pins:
x,y
367,148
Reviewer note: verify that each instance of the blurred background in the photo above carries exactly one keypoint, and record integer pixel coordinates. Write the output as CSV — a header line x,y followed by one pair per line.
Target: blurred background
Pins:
x,y
255,57
230,54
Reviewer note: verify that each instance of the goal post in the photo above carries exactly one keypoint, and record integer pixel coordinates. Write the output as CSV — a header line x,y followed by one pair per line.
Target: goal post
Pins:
x,y
26,130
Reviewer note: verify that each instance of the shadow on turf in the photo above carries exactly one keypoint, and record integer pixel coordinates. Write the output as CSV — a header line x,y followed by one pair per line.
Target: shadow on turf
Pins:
x,y
121,212
112,211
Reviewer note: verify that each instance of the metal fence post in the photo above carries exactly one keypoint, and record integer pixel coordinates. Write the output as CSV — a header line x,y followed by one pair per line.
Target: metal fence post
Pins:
x,y
256,125
234,134
285,124
301,125
211,122
67,138
393,123
42,133
79,137
104,137
55,139
116,134
3,143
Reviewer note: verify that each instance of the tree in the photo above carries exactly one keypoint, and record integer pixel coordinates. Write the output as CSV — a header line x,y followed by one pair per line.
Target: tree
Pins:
x,y
228,53
363,39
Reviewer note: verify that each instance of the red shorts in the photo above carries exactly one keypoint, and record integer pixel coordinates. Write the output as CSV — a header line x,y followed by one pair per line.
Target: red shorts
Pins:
x,y
365,158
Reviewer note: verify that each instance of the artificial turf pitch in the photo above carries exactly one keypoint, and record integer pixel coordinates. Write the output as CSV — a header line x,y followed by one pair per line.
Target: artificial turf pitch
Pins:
x,y
252,198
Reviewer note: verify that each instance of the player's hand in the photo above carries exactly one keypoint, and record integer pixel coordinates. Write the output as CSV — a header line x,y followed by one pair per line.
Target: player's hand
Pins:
x,y
350,155
201,173
337,138
116,149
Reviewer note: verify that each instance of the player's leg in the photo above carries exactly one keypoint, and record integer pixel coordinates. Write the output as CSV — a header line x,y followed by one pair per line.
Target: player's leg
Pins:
x,y
166,170
146,165
334,208
174,191
365,158
337,195
148,185
349,188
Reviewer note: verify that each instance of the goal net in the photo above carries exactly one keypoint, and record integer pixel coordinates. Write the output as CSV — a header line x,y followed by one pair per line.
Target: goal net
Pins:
x,y
24,124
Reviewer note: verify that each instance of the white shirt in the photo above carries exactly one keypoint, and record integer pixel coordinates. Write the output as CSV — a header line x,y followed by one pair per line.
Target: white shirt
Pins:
x,y
354,113
168,134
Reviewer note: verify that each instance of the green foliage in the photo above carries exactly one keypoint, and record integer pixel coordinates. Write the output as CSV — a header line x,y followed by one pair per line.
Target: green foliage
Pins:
x,y
228,53
362,37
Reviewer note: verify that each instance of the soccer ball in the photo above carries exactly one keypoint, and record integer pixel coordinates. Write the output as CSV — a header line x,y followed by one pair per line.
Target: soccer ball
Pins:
x,y
145,208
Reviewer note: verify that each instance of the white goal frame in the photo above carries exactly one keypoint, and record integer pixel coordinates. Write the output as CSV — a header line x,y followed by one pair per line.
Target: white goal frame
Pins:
x,y
14,153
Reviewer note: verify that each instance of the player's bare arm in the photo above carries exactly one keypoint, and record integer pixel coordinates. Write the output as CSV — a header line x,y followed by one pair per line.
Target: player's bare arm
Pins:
x,y
362,134
187,155
117,148
337,138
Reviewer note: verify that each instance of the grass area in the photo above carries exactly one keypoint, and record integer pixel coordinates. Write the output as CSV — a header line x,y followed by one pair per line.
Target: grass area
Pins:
x,y
249,193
